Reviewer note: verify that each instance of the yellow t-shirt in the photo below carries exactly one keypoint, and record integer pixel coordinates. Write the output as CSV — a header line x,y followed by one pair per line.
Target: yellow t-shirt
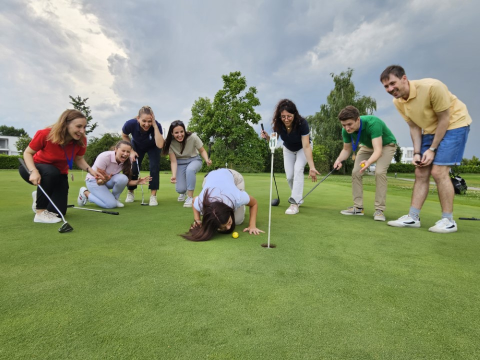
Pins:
x,y
428,97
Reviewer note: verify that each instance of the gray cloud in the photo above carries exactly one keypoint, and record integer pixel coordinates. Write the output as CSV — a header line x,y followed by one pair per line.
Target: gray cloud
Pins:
x,y
176,52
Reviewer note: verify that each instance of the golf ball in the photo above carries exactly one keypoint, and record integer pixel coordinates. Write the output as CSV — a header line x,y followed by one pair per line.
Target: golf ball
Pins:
x,y
235,235
363,165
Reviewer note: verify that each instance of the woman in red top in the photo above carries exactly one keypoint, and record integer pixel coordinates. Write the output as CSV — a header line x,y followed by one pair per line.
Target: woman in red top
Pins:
x,y
48,157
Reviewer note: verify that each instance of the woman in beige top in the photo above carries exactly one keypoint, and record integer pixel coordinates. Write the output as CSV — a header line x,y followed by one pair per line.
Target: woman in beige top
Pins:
x,y
184,149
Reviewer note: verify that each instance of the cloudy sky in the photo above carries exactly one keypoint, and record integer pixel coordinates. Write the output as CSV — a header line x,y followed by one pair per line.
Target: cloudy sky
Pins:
x,y
166,54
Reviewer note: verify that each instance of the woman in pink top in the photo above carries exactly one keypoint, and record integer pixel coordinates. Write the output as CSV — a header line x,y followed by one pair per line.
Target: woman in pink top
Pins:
x,y
116,168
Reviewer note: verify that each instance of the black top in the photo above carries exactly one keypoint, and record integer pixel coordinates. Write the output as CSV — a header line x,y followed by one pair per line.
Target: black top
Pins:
x,y
141,140
293,141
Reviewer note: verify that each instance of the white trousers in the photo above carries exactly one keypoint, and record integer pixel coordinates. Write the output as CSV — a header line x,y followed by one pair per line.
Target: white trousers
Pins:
x,y
294,163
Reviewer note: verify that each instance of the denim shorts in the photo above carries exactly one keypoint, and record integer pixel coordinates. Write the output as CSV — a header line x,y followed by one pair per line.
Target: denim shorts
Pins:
x,y
451,148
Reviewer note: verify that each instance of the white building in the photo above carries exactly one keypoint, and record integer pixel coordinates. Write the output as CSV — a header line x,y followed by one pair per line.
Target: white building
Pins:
x,y
407,154
7,145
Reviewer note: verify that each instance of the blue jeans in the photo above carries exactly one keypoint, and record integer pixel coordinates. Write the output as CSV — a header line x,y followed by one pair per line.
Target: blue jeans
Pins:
x,y
101,195
451,148
186,173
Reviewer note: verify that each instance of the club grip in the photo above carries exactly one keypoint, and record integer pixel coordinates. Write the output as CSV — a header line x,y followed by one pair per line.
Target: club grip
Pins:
x,y
209,150
111,212
22,163
262,127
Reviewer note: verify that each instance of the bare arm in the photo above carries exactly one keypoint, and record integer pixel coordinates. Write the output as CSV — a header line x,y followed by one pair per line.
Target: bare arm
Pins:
x,y
173,166
83,165
308,154
416,135
158,136
204,155
344,154
252,224
35,176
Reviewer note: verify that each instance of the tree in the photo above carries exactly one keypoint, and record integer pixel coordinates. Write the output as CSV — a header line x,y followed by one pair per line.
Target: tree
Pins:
x,y
11,131
326,128
22,143
227,124
98,145
81,105
398,154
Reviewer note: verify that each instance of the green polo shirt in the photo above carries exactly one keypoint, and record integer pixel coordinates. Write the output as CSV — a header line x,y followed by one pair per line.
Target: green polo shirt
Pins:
x,y
372,127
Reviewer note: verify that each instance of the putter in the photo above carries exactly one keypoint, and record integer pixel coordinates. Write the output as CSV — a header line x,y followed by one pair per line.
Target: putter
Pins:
x,y
471,218
273,145
292,201
274,202
66,227
102,211
141,186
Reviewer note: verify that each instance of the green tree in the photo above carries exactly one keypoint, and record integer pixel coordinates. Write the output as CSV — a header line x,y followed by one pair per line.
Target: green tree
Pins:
x,y
326,128
11,131
81,105
98,145
22,143
226,123
398,154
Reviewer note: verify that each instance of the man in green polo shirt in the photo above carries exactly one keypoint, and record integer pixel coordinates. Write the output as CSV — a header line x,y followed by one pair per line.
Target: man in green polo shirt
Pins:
x,y
377,145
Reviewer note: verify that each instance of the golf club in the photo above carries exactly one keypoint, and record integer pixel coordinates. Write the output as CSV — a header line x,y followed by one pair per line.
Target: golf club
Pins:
x,y
274,202
292,201
472,218
102,211
273,145
66,227
141,186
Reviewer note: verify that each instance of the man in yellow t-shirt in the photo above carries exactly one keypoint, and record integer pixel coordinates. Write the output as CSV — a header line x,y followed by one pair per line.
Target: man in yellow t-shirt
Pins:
x,y
439,126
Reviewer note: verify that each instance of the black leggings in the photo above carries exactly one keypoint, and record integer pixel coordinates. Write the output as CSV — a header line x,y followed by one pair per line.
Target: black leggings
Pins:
x,y
53,183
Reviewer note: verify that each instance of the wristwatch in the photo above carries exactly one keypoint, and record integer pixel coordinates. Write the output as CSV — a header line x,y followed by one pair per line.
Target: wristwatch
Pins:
x,y
433,149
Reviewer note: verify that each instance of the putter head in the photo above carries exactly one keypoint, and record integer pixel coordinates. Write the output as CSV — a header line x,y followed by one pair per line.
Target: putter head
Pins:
x,y
144,204
65,228
275,202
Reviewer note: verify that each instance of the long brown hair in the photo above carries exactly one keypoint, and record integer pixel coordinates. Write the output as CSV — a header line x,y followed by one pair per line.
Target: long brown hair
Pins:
x,y
215,214
127,165
59,132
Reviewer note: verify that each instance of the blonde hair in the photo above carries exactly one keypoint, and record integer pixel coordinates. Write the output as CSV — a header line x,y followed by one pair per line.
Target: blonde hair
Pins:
x,y
59,132
145,110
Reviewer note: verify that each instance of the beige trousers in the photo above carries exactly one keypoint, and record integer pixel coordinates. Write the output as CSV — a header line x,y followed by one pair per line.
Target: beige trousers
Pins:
x,y
382,165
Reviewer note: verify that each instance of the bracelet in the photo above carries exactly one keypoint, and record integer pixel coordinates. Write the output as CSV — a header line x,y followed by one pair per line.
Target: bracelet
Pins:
x,y
87,170
417,154
197,221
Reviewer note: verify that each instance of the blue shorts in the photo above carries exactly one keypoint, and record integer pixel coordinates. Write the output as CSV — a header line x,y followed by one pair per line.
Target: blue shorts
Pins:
x,y
451,148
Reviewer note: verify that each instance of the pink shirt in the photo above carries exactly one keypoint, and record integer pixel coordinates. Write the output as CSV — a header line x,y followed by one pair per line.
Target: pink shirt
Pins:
x,y
106,161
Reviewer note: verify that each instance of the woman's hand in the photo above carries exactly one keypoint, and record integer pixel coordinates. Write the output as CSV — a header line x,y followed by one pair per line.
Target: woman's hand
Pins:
x,y
264,135
196,224
313,174
253,230
173,180
133,155
144,181
35,177
209,162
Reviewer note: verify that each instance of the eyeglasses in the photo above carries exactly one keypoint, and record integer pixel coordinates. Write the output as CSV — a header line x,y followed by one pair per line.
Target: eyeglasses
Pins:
x,y
289,117
177,123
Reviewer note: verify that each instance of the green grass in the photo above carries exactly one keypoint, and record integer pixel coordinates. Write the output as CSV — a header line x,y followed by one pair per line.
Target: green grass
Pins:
x,y
336,287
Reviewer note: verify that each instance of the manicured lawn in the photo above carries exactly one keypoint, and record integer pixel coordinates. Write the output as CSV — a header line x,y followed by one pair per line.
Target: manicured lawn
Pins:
x,y
336,287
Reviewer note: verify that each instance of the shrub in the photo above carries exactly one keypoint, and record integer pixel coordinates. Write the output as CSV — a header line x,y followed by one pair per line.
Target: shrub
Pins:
x,y
9,161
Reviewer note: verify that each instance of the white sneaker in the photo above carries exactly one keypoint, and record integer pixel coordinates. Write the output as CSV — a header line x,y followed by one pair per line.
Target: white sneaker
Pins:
x,y
405,221
153,200
130,197
119,204
444,226
181,197
188,202
46,217
34,205
292,210
82,198
379,215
